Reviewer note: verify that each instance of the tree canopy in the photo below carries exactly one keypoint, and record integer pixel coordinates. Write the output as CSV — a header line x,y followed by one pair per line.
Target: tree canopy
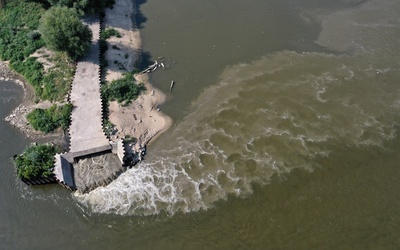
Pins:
x,y
62,30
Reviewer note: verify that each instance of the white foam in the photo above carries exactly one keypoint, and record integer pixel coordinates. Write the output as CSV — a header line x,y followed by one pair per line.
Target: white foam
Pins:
x,y
326,103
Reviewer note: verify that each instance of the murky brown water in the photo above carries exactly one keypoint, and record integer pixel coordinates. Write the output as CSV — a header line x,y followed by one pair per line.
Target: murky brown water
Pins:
x,y
286,136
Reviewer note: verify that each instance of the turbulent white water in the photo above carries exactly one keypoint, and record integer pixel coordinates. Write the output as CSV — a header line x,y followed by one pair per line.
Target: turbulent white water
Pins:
x,y
283,111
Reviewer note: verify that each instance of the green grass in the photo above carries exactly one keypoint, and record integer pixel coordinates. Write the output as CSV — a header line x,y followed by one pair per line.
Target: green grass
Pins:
x,y
57,81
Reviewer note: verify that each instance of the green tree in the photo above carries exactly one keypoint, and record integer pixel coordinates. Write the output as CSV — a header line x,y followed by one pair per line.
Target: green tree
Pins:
x,y
63,31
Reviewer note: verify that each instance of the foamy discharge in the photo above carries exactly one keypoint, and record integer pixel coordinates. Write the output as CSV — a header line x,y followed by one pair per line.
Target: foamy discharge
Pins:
x,y
281,112
252,125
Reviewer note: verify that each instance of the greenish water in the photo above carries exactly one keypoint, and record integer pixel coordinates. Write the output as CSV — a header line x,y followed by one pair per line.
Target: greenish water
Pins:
x,y
286,137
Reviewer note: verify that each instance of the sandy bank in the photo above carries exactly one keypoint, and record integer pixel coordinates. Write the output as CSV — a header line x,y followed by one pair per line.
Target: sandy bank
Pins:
x,y
142,119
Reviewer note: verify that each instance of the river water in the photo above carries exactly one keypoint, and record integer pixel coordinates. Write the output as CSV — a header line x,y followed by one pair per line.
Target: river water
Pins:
x,y
286,136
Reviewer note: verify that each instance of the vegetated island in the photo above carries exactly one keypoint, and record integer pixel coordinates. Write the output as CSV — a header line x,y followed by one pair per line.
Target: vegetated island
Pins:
x,y
77,60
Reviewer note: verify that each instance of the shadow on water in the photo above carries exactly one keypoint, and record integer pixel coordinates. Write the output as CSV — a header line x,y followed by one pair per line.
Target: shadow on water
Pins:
x,y
145,60
139,18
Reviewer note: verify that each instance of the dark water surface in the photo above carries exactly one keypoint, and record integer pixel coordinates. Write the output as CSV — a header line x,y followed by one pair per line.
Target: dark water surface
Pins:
x,y
286,136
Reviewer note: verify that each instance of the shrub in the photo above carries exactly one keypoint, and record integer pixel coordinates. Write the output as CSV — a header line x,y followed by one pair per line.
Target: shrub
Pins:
x,y
109,32
48,120
123,90
36,161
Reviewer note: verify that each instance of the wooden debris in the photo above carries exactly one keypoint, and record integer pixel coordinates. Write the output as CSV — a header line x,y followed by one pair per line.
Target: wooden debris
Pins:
x,y
153,67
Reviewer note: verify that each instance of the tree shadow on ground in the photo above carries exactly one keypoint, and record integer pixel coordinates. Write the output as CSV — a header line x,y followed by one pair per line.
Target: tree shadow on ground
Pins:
x,y
118,63
144,56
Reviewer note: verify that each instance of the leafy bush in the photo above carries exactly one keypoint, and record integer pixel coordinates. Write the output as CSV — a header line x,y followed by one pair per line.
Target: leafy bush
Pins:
x,y
109,32
36,161
48,120
123,90
63,31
